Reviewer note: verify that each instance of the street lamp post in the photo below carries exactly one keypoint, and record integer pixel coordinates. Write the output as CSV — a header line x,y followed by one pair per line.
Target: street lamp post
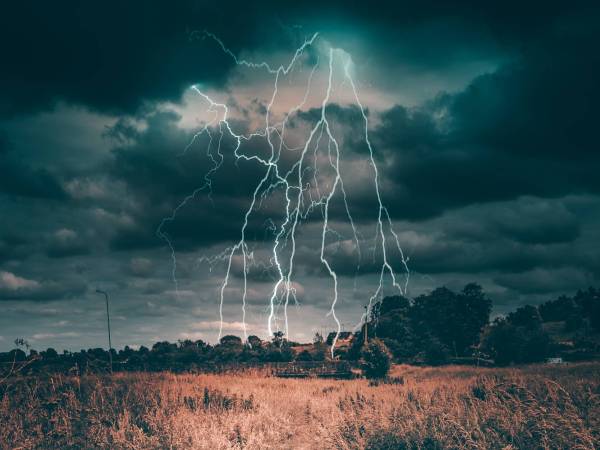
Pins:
x,y
108,325
366,325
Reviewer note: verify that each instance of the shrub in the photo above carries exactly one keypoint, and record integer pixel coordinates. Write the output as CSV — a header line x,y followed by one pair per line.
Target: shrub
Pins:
x,y
435,352
508,343
376,359
304,356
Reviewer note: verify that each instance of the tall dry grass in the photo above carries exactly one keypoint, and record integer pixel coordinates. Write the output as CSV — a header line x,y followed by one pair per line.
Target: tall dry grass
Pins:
x,y
429,408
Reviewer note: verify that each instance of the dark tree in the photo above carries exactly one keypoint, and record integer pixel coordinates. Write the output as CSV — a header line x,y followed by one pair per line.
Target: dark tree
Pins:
x,y
318,338
473,314
254,341
17,355
230,341
320,350
589,302
395,328
388,304
304,355
508,343
50,353
526,316
376,359
434,353
278,338
559,309
456,320
164,347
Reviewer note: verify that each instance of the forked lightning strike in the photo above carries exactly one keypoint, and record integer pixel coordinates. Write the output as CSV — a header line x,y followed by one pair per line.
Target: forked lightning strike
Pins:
x,y
296,207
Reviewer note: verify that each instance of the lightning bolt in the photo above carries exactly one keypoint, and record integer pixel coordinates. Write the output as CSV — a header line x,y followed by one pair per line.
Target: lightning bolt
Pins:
x,y
300,184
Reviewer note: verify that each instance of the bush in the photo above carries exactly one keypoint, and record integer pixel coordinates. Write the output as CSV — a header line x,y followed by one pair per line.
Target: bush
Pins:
x,y
508,343
376,359
435,352
304,356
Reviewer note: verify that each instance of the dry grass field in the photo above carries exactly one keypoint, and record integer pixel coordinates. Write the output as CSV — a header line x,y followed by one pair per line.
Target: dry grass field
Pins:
x,y
418,408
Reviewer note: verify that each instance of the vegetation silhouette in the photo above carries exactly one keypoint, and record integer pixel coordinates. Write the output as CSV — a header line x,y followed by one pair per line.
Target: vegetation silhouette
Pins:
x,y
436,328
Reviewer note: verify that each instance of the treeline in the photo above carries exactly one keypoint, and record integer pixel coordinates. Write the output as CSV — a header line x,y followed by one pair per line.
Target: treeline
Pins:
x,y
445,326
440,327
184,355
567,327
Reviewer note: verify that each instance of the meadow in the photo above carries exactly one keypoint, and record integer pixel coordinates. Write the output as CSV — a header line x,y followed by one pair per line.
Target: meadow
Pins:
x,y
538,406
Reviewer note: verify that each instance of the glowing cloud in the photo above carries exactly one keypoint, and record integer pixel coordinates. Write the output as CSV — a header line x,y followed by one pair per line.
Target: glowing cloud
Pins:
x,y
306,185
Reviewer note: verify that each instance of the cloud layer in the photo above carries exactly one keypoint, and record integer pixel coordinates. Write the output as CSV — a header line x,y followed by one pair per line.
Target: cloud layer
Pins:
x,y
483,122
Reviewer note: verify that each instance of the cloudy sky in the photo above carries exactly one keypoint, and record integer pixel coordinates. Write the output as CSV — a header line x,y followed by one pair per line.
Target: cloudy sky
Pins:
x,y
483,123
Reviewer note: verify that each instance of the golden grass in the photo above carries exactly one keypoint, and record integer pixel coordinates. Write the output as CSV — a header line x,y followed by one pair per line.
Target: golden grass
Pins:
x,y
430,408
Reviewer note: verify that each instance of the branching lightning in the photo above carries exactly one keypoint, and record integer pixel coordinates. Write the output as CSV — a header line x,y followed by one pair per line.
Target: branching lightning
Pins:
x,y
302,191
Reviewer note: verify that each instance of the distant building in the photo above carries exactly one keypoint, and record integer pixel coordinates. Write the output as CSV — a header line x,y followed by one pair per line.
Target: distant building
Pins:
x,y
297,349
343,338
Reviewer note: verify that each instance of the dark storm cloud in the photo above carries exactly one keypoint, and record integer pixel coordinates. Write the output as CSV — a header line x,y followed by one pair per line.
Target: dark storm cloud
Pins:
x,y
15,287
64,243
513,237
141,267
527,128
114,56
18,177
510,20
111,56
534,221
490,172
12,246
342,121
259,270
160,177
545,281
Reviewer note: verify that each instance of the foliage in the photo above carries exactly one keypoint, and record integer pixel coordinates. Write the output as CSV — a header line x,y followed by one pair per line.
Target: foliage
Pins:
x,y
318,338
509,343
435,353
433,329
456,320
254,341
580,310
231,341
527,317
434,326
278,339
376,359
305,355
